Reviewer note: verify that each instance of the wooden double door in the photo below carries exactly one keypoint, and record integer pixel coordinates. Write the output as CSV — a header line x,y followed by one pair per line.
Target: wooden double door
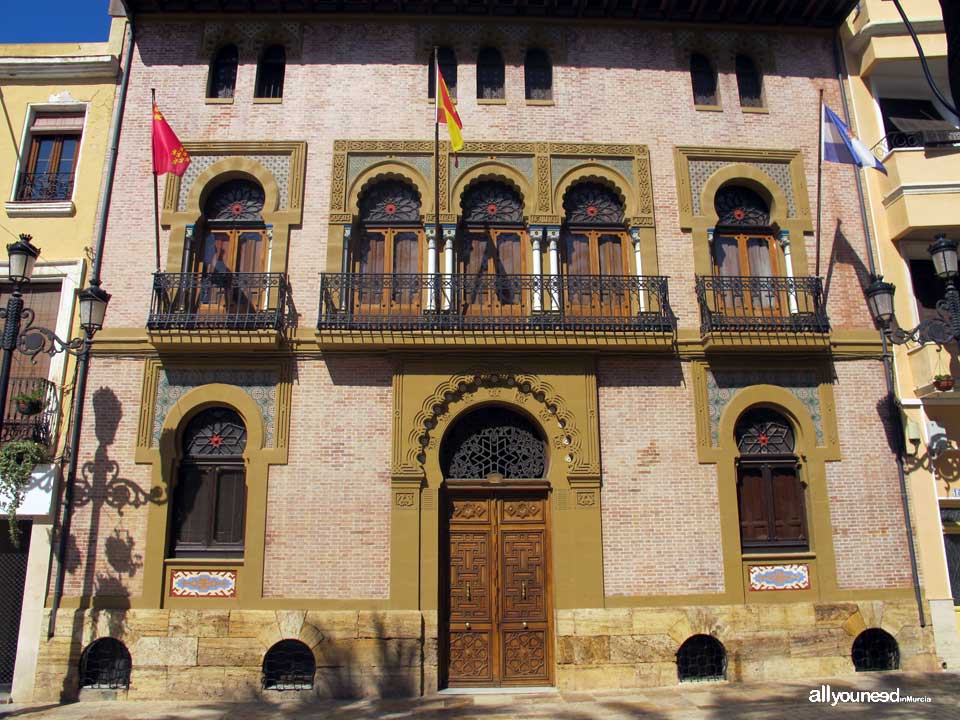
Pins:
x,y
497,590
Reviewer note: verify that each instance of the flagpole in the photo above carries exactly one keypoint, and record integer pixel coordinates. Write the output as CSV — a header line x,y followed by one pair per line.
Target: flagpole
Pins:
x,y
438,237
819,180
156,189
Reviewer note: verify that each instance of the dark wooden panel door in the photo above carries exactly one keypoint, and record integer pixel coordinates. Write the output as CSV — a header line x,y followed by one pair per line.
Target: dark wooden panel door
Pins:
x,y
497,591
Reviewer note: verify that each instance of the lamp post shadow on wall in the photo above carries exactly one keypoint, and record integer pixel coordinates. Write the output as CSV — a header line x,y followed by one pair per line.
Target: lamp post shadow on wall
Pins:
x,y
32,340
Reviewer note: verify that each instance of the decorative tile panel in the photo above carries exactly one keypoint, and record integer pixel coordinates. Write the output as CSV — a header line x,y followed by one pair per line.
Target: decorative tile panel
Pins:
x,y
260,385
203,583
278,165
522,164
722,385
701,170
779,577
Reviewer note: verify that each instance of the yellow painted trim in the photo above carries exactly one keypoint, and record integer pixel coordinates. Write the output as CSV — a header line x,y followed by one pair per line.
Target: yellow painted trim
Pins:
x,y
598,172
494,170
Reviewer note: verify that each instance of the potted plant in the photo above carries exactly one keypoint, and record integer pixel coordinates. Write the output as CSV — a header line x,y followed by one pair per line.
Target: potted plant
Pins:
x,y
17,461
943,382
32,402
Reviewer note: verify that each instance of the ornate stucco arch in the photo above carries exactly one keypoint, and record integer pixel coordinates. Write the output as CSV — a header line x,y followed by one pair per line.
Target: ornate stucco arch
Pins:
x,y
603,174
493,170
748,176
392,170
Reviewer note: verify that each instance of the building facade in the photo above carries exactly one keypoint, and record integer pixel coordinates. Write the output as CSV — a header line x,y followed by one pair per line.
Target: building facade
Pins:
x,y
914,134
574,410
58,101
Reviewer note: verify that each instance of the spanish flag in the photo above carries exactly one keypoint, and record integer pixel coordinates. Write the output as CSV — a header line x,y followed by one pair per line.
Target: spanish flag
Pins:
x,y
447,113
168,152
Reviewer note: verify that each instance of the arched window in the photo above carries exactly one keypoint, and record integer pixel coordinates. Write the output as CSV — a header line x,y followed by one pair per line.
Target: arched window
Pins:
x,y
490,74
538,75
448,66
209,500
493,247
701,658
749,82
704,80
388,248
270,72
875,649
770,493
594,243
289,665
493,440
105,665
229,252
222,79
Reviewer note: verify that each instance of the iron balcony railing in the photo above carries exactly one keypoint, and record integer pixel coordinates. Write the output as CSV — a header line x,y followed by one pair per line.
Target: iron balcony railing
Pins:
x,y
906,140
220,301
351,301
34,418
761,304
44,187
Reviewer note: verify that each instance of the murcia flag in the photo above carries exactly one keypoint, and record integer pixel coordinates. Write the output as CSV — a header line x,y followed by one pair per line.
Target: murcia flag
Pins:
x,y
840,145
447,113
168,152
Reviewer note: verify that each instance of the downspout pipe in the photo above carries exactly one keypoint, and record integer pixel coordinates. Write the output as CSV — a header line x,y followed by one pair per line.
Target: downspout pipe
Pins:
x,y
894,401
83,360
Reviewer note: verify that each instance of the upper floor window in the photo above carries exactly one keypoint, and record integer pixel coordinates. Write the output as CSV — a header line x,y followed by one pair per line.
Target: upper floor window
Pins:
x,y
704,80
537,75
222,80
448,66
744,241
270,72
909,122
928,288
50,165
749,82
770,494
490,75
209,500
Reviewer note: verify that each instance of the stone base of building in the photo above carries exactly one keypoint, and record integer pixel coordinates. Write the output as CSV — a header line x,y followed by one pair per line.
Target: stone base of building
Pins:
x,y
206,654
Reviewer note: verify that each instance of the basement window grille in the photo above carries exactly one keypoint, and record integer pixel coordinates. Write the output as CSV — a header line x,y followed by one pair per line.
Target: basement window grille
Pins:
x,y
701,658
289,665
875,650
105,665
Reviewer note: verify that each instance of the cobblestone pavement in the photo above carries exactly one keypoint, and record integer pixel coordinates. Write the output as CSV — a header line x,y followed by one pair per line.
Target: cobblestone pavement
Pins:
x,y
714,701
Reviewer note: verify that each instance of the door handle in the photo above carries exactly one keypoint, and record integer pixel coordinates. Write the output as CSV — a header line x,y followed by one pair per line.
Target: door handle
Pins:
x,y
469,596
523,589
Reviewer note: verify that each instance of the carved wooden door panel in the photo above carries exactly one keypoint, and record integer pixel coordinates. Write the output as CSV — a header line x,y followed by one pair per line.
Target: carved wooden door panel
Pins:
x,y
498,598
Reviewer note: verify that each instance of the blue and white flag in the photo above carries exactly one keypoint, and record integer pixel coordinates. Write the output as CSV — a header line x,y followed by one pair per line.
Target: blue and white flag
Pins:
x,y
840,145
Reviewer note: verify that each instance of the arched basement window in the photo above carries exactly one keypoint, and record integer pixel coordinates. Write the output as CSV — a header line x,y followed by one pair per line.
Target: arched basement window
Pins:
x,y
270,72
875,649
701,658
105,665
222,80
704,80
770,494
493,440
289,665
490,75
537,75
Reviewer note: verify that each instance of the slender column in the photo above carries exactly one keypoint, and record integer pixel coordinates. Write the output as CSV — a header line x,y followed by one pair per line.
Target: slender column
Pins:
x,y
8,342
449,233
638,261
536,236
553,248
788,262
431,284
346,289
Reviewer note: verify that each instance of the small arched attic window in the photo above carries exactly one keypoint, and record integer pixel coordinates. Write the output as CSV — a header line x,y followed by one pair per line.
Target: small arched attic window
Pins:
x,y
270,73
749,82
703,77
490,75
537,75
222,80
448,66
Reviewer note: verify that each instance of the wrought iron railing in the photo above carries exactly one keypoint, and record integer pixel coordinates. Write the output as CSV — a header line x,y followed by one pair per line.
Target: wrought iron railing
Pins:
x,y
906,140
34,416
761,304
44,187
494,302
220,301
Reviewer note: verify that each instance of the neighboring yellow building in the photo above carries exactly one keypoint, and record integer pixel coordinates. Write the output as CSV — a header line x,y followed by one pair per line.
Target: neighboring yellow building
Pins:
x,y
894,110
56,108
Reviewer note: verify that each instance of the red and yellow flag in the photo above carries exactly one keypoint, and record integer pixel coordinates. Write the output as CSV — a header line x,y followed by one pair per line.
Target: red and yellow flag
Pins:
x,y
447,113
168,152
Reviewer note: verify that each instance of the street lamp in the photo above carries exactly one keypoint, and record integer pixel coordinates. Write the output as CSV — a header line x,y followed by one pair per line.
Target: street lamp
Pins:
x,y
941,329
33,340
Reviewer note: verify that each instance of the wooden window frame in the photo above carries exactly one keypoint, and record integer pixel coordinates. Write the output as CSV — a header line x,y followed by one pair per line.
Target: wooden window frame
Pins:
x,y
773,545
389,297
772,304
54,162
493,233
210,548
600,304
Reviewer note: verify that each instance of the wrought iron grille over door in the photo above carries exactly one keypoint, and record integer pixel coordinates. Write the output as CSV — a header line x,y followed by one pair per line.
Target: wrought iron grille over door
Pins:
x,y
13,570
493,441
497,610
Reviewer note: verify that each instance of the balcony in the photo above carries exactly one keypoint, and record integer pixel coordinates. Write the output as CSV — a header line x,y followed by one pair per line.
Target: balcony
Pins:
x,y
762,305
516,303
44,187
38,427
220,301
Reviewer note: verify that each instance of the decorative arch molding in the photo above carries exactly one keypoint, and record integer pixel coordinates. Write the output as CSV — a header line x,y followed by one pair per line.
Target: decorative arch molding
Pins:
x,y
497,172
749,176
598,173
778,399
232,169
392,170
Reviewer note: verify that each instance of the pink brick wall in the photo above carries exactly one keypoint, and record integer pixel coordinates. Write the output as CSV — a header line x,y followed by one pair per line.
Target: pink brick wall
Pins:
x,y
358,81
328,511
654,490
865,510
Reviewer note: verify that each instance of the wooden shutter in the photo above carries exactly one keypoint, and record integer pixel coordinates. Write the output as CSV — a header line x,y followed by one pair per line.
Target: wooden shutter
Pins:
x,y
610,254
229,508
751,495
788,519
192,508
